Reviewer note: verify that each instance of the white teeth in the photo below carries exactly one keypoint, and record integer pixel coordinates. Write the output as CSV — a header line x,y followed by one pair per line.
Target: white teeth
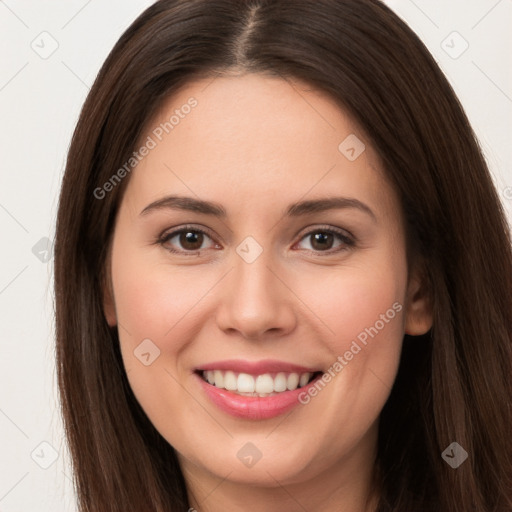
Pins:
x,y
292,382
304,379
264,384
230,381
245,383
219,378
280,383
260,385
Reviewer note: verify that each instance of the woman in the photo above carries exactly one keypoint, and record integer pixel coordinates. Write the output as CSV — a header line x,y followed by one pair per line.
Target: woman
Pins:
x,y
283,276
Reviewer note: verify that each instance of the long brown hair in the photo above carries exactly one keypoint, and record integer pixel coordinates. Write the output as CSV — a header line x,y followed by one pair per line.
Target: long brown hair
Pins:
x,y
454,383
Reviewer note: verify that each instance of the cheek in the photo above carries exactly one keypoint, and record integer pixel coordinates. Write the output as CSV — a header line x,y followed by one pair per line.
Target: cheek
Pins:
x,y
361,308
354,299
152,298
154,307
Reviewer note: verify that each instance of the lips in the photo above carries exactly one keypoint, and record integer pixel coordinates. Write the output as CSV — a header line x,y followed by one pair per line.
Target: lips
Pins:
x,y
255,390
257,367
265,384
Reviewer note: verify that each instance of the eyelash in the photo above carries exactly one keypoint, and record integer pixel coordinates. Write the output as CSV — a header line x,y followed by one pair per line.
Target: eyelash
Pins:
x,y
347,240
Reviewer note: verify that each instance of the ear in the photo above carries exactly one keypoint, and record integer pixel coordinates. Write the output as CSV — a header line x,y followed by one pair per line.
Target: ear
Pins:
x,y
109,306
418,314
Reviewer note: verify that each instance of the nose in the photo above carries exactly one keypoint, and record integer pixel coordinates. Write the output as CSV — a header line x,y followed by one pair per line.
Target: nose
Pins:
x,y
256,302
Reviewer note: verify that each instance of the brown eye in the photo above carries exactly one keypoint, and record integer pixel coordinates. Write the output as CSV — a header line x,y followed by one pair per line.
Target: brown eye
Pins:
x,y
322,241
326,240
191,240
186,240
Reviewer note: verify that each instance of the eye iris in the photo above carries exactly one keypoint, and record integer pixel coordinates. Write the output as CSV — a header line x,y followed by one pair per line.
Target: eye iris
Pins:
x,y
322,241
189,240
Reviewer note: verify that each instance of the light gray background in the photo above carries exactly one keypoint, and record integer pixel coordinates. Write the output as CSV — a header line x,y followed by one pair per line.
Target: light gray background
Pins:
x,y
40,98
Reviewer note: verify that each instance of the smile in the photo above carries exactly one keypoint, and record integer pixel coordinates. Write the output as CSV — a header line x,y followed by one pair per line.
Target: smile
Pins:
x,y
255,390
263,385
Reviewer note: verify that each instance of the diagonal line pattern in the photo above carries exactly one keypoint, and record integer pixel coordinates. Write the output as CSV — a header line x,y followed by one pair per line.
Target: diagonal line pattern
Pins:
x,y
306,193
486,14
12,280
165,165
332,332
492,81
13,13
424,13
211,81
216,487
197,401
202,297
124,328
286,79
13,423
280,423
67,476
13,487
72,72
75,15
378,378
14,218
286,491
14,76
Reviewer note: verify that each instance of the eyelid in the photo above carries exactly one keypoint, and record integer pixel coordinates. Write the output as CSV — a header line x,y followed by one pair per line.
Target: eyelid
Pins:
x,y
346,236
348,240
169,233
192,227
312,228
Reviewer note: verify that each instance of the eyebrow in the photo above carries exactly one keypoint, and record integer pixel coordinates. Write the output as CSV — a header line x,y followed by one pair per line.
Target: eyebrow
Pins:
x,y
294,210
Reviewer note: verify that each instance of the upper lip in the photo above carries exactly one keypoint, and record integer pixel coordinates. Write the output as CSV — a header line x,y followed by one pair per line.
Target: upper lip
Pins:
x,y
256,367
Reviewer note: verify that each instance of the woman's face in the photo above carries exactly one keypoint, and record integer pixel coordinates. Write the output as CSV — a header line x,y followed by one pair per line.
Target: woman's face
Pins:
x,y
258,245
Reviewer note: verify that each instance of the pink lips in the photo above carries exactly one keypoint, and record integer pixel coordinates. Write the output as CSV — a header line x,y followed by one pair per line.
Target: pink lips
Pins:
x,y
256,367
249,407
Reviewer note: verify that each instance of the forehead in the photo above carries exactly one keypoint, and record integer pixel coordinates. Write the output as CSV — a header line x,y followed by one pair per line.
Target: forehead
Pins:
x,y
257,138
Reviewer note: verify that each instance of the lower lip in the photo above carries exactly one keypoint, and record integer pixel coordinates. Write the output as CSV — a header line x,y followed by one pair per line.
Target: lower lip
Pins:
x,y
254,407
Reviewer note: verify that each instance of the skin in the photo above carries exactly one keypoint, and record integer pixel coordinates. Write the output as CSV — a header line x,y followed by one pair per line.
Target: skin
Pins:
x,y
256,144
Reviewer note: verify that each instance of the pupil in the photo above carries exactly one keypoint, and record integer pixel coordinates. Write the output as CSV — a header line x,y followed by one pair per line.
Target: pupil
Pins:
x,y
190,238
322,241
